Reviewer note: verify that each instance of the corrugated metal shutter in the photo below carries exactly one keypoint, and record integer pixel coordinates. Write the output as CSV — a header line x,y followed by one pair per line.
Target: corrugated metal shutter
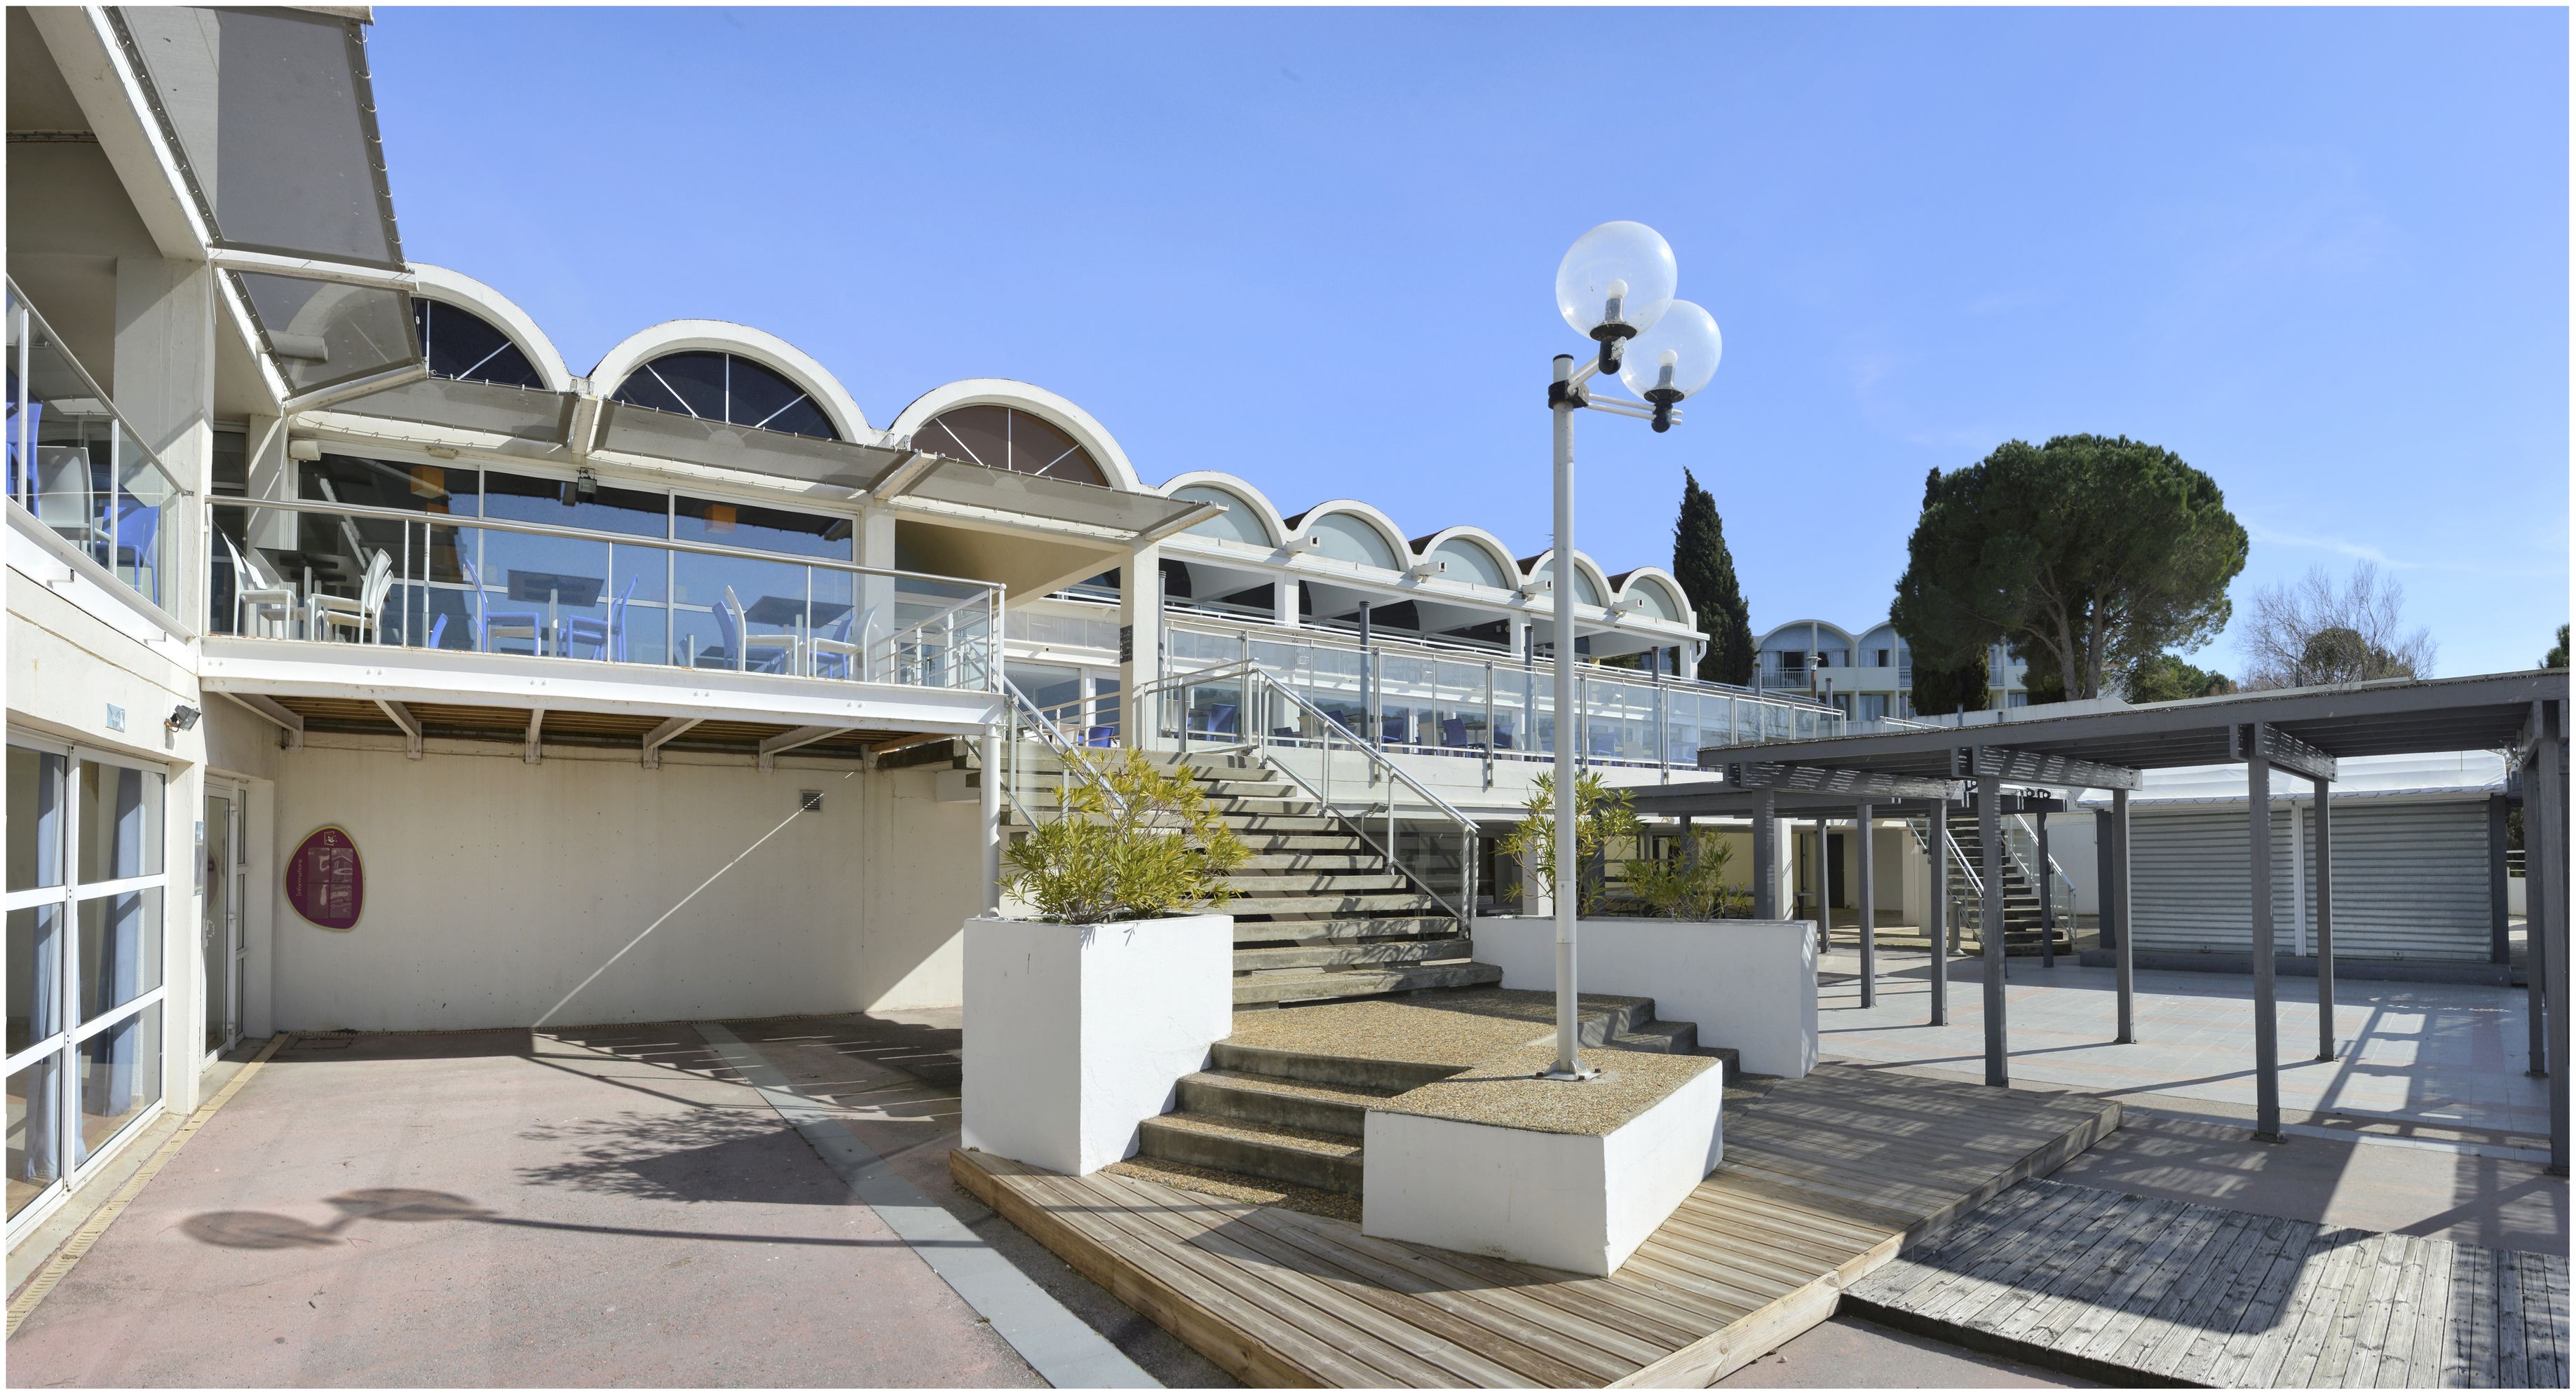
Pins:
x,y
2410,880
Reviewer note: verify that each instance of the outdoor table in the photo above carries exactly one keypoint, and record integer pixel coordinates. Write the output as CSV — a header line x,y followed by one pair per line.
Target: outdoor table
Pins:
x,y
790,613
555,589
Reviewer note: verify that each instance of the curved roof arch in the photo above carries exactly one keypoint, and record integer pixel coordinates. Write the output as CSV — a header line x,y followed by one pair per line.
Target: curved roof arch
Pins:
x,y
1368,516
502,313
1468,539
724,336
1052,408
1588,575
1660,589
1792,629
1252,511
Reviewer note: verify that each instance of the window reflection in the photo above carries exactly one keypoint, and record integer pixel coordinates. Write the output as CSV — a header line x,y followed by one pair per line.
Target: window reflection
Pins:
x,y
120,950
120,1077
34,1131
761,529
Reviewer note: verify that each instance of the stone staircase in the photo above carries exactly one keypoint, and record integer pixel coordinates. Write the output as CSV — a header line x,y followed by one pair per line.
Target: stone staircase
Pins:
x,y
1296,1118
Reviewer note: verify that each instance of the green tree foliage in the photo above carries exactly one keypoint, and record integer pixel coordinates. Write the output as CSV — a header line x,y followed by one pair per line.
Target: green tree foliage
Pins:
x,y
2087,554
1692,884
1600,814
1706,571
1943,690
2166,678
2557,656
1136,841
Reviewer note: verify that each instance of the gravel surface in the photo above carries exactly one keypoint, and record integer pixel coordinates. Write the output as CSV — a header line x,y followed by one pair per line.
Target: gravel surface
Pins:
x,y
1453,1028
1505,1091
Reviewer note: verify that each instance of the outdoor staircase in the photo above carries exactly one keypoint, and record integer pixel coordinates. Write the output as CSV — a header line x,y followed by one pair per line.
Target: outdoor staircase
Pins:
x,y
1296,1118
2021,903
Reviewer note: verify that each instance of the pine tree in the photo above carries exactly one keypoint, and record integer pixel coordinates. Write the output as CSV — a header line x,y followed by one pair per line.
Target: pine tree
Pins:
x,y
1706,571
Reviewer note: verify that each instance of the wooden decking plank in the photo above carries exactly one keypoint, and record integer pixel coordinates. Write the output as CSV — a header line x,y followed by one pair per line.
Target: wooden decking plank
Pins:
x,y
2004,1269
1802,1224
2330,1256
1719,1243
2066,1269
1739,1292
2262,1325
2512,1354
2224,1283
2185,1295
2405,1303
2343,1335
2119,1305
2480,1296
2450,1351
1410,1356
1712,1358
2555,1266
2379,1307
1412,1329
2086,1299
2257,1363
1989,1253
1777,1243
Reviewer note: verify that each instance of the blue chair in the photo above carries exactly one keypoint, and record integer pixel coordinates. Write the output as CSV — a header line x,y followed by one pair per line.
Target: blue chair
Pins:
x,y
1502,741
1393,729
603,635
735,634
832,647
21,480
1220,721
490,624
138,524
1101,737
1453,731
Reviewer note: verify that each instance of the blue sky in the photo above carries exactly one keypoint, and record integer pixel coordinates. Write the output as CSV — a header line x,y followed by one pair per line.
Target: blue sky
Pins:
x,y
2321,254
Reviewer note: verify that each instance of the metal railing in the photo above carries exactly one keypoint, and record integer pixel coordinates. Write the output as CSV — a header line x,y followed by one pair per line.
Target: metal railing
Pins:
x,y
1425,700
1967,888
1421,835
319,572
1026,726
75,463
2021,843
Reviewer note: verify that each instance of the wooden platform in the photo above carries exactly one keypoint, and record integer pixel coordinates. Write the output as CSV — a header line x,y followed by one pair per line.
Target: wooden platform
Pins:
x,y
1826,1179
2132,1290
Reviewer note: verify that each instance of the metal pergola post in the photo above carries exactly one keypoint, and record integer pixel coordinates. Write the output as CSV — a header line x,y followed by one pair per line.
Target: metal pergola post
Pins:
x,y
2047,908
1867,896
1937,914
2116,905
2544,844
2325,921
2267,1027
2499,898
2537,894
1824,886
1990,847
1766,857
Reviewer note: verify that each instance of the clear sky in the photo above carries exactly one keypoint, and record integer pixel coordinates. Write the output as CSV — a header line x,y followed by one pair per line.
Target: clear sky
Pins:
x,y
2321,254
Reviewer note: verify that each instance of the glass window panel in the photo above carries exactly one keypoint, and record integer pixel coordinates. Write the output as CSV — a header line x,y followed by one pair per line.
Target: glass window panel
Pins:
x,y
1046,687
690,382
461,344
35,1136
533,591
639,586
1350,539
120,822
389,484
762,529
735,612
759,395
322,333
1038,448
120,1077
1104,710
35,975
563,504
36,818
646,389
978,434
120,950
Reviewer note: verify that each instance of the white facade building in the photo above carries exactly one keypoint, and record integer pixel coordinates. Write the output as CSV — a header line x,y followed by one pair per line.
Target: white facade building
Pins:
x,y
1863,674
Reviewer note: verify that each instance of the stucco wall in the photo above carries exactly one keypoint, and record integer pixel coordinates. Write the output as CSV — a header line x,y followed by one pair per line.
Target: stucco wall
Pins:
x,y
493,887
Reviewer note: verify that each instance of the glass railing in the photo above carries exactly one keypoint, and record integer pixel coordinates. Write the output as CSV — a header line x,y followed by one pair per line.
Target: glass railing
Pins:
x,y
343,573
76,465
1425,701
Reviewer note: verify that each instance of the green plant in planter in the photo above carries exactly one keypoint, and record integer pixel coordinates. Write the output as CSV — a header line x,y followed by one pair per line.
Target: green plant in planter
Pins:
x,y
1691,886
1600,814
1136,841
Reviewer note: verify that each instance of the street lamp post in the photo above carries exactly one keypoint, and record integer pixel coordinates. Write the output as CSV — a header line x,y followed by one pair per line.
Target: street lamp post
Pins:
x,y
1614,287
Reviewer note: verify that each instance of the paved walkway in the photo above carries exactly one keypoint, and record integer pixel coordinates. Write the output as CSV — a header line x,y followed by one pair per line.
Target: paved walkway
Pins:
x,y
2435,1054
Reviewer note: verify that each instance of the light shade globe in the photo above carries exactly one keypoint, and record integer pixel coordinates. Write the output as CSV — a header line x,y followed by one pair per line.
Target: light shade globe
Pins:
x,y
1626,261
1675,358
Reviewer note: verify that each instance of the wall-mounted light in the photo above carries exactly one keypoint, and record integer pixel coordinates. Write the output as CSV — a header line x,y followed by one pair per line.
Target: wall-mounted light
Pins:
x,y
1419,570
182,717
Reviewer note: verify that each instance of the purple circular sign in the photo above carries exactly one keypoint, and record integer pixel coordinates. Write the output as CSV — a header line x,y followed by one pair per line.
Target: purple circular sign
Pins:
x,y
324,882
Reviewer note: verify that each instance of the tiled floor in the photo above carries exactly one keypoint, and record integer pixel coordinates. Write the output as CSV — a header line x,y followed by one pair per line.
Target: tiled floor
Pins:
x,y
2440,1054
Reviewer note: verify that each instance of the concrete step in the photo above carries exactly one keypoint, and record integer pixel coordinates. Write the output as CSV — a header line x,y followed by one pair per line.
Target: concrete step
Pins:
x,y
1396,901
1299,1157
1274,1100
1352,954
1315,1068
1342,929
1266,843
1296,986
1282,823
1316,861
1265,884
1668,1038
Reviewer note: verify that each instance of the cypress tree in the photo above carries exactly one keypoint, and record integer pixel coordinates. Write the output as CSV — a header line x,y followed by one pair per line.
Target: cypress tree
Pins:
x,y
1706,571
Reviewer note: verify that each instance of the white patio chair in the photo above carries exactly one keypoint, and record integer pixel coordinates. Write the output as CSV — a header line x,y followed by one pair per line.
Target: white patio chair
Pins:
x,y
364,614
257,594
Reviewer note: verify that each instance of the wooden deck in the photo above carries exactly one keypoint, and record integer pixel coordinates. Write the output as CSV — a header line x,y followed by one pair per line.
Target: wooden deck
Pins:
x,y
2133,1290
1826,1179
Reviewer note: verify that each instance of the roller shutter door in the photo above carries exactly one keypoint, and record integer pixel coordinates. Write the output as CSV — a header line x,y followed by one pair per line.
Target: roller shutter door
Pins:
x,y
2410,880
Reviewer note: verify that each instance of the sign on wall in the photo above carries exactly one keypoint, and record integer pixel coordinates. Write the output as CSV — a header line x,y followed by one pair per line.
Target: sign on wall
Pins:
x,y
324,882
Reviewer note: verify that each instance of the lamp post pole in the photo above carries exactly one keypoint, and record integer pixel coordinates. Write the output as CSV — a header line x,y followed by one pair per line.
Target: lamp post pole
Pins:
x,y
1569,876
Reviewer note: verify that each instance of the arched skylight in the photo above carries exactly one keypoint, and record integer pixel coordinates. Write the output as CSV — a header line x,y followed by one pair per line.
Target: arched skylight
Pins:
x,y
714,386
462,344
1470,563
1006,438
1351,539
1585,593
1659,602
1239,523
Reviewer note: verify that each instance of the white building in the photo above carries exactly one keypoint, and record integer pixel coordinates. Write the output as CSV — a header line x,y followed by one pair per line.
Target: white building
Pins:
x,y
369,667
1866,673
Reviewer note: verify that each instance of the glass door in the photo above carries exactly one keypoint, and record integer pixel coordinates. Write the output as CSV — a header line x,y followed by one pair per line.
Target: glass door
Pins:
x,y
220,929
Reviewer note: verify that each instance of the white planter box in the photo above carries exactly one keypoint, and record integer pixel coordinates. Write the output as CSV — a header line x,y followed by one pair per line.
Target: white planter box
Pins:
x,y
1075,1034
1749,984
1456,1164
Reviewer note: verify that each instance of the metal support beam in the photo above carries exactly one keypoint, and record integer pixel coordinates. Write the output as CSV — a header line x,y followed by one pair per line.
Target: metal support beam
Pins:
x,y
1866,897
785,741
2292,756
2499,885
535,751
1821,779
290,727
2115,914
2267,1026
2036,768
989,814
1990,851
661,736
2325,920
401,717
1938,913
1766,858
1824,886
2544,843
2047,905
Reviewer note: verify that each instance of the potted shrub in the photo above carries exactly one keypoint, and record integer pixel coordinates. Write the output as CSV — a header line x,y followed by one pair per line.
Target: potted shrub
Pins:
x,y
1081,1022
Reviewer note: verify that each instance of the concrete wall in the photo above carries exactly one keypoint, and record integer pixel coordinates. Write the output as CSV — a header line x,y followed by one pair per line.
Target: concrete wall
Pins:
x,y
1749,984
494,887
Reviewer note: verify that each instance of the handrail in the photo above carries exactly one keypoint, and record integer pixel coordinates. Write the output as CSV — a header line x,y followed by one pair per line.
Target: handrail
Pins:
x,y
1053,737
1210,676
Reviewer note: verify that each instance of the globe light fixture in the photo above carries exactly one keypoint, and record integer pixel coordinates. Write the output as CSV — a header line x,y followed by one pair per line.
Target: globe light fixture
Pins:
x,y
1614,287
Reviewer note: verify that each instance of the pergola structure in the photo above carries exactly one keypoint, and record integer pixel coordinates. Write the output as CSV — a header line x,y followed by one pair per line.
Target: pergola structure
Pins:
x,y
2299,732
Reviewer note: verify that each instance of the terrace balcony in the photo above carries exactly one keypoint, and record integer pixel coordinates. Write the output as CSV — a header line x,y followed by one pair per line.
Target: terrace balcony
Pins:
x,y
95,497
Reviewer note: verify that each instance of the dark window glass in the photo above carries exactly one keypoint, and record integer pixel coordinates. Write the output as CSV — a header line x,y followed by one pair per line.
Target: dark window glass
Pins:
x,y
978,434
724,387
764,399
387,484
603,508
461,344
692,382
767,530
1039,449
231,463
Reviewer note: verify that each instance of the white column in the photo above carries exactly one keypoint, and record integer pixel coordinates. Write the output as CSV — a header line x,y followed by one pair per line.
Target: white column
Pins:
x,y
876,594
1140,642
1286,607
164,375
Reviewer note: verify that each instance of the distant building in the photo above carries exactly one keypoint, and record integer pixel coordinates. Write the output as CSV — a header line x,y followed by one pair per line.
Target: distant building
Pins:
x,y
1868,673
